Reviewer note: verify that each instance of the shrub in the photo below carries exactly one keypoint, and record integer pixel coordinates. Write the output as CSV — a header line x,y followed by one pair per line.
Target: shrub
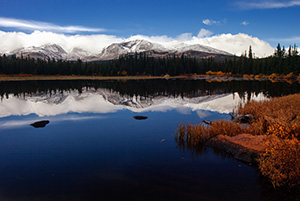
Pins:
x,y
281,160
283,110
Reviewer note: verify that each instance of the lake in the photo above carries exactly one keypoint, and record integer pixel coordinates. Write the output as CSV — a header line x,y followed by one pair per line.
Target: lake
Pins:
x,y
93,148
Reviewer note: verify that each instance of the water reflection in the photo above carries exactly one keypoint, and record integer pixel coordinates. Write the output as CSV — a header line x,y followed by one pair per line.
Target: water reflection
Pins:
x,y
48,98
146,88
94,149
267,191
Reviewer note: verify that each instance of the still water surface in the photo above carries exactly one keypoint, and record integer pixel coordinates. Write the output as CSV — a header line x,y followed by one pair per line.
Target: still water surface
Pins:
x,y
93,148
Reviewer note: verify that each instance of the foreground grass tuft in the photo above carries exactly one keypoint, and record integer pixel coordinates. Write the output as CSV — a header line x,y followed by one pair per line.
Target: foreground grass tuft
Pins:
x,y
281,160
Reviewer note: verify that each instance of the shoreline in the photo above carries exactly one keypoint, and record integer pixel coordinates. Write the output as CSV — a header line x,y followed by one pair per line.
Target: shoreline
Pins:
x,y
242,147
80,77
27,77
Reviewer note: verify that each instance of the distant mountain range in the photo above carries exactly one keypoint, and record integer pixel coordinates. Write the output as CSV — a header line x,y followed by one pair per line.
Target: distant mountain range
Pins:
x,y
113,51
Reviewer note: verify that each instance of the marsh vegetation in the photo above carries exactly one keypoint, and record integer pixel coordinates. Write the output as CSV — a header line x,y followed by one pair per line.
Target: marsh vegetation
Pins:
x,y
278,119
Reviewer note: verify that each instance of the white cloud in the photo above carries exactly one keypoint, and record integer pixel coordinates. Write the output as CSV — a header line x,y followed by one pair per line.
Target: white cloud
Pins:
x,y
210,22
204,33
235,44
92,43
245,23
44,26
185,37
268,4
159,39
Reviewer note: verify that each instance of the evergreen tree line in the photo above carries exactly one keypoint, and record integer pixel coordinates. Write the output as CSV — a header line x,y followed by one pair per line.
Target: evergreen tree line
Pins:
x,y
282,62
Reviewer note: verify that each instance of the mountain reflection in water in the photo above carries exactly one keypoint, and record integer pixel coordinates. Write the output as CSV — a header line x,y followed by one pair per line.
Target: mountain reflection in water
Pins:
x,y
94,149
48,98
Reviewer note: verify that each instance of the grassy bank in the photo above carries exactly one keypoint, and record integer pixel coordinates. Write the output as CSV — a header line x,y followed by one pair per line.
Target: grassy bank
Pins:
x,y
278,119
209,76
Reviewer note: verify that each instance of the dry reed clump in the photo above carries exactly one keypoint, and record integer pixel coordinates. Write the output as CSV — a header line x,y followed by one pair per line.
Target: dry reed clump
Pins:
x,y
281,160
283,110
193,135
279,119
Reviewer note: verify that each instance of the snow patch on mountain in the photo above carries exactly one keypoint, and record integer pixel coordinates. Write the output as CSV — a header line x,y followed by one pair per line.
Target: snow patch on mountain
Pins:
x,y
49,51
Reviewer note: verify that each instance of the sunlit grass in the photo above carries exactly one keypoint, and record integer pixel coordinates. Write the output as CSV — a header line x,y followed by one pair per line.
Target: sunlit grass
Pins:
x,y
278,118
283,110
281,160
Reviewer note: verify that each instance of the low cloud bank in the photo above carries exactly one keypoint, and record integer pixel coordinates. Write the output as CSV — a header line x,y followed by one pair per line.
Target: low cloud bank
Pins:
x,y
235,44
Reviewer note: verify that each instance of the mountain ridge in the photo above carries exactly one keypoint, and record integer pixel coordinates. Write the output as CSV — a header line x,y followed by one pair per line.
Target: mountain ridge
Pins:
x,y
115,50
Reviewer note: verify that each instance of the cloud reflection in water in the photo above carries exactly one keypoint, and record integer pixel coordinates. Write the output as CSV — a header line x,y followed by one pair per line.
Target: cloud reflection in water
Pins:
x,y
102,101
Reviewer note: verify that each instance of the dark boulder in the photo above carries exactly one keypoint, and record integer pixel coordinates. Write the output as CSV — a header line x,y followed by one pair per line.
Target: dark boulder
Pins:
x,y
140,117
243,119
40,124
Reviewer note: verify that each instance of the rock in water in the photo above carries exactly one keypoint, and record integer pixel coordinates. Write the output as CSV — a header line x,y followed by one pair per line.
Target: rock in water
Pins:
x,y
243,119
140,117
40,124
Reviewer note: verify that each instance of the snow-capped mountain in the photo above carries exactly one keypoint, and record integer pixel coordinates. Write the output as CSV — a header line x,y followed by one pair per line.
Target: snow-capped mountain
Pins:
x,y
52,51
113,51
200,48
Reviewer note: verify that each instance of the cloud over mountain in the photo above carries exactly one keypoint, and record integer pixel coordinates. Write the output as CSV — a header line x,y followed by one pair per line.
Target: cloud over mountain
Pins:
x,y
204,33
235,44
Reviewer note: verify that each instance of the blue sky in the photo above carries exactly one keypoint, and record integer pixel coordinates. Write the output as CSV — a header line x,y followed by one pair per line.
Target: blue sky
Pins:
x,y
272,21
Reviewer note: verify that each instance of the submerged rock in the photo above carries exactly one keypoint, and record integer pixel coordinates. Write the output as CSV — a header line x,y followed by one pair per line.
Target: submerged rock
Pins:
x,y
40,124
140,117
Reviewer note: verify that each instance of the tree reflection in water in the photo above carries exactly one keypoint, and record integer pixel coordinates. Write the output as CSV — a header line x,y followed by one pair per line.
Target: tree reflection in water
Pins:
x,y
146,88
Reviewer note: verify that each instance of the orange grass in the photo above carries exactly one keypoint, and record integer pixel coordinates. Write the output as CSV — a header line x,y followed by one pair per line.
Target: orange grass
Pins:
x,y
283,110
278,118
281,160
196,134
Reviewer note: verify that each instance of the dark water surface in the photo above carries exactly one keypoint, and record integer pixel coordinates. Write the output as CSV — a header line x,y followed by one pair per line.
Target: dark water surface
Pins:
x,y
93,148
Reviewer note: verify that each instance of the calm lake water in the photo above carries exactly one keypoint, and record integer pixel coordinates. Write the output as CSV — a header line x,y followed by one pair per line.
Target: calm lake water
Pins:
x,y
93,148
